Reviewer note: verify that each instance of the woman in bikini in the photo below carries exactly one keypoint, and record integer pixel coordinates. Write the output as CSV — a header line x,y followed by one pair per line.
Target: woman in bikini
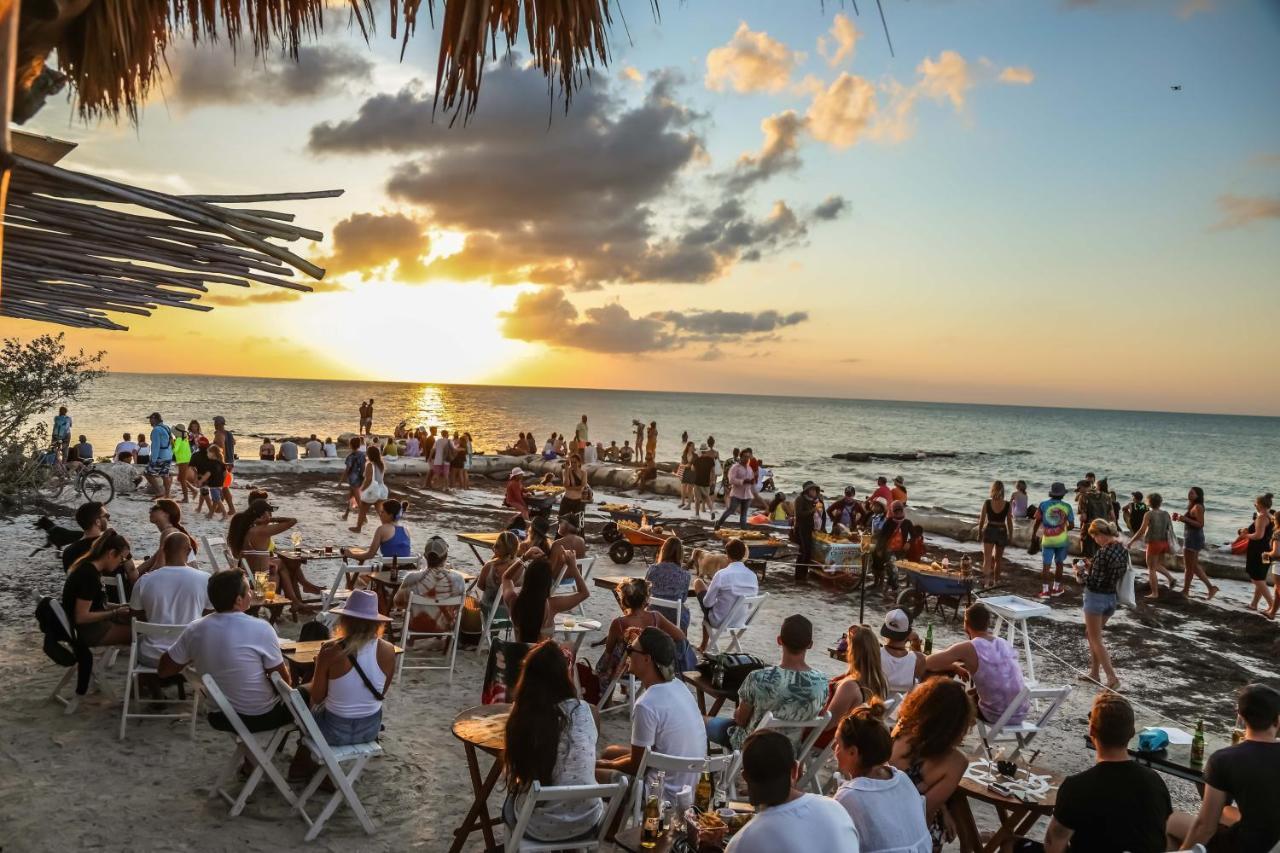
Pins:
x,y
1193,542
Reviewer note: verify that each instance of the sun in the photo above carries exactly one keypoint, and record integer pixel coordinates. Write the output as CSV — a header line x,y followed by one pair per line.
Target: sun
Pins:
x,y
441,332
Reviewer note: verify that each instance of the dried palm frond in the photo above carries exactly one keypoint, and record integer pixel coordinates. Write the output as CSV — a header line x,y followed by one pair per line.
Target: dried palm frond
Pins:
x,y
77,247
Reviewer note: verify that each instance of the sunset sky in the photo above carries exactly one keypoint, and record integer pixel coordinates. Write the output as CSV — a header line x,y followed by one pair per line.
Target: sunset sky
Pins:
x,y
757,197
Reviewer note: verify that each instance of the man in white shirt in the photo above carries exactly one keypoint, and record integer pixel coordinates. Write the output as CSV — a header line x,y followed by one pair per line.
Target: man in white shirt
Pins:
x,y
288,451
666,719
174,594
741,489
239,651
735,581
441,453
128,446
315,449
787,821
330,449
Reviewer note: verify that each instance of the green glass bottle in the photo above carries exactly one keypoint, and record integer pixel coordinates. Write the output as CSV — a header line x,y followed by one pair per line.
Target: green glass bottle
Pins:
x,y
1197,748
928,640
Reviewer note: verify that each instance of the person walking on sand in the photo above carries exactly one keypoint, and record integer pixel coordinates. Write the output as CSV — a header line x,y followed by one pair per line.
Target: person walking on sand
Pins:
x,y
1157,534
1193,542
373,490
225,439
651,443
161,457
995,529
1258,538
740,490
1101,577
182,458
1055,517
353,475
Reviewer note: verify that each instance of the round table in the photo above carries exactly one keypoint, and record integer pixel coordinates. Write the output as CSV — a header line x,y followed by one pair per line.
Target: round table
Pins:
x,y
481,729
1017,816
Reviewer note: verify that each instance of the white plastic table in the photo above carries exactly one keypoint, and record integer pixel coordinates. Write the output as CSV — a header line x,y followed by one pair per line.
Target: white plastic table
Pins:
x,y
1012,613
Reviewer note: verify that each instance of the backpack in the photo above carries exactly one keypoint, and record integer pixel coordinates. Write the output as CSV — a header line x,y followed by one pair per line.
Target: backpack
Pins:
x,y
1097,505
57,645
1134,514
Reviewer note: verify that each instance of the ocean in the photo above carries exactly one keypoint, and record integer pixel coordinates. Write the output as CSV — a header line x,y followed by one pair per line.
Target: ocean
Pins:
x,y
1233,458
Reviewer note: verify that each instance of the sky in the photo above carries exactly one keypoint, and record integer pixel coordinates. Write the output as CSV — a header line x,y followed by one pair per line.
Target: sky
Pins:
x,y
756,197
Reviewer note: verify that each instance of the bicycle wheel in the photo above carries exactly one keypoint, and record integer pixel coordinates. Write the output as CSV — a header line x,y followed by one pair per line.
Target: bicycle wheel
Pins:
x,y
52,486
97,486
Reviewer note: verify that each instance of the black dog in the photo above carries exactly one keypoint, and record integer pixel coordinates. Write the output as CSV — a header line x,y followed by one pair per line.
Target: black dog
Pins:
x,y
55,537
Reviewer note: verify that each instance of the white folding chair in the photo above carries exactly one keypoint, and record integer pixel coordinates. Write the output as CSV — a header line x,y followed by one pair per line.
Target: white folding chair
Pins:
x,y
103,658
331,759
118,587
407,635
807,730
1002,731
716,765
821,757
336,592
250,748
537,795
668,605
216,552
585,565
736,623
486,626
132,684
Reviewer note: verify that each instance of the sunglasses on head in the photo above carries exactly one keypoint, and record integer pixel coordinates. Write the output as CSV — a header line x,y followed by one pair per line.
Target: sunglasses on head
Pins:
x,y
633,650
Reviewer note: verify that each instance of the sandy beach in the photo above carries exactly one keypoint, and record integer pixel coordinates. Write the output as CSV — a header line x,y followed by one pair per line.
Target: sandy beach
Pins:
x,y
1180,662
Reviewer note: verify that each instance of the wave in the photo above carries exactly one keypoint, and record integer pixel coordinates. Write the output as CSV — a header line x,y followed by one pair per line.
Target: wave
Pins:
x,y
920,455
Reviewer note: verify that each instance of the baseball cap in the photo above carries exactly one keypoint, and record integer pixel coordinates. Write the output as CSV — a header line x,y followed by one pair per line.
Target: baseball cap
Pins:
x,y
897,625
436,547
657,645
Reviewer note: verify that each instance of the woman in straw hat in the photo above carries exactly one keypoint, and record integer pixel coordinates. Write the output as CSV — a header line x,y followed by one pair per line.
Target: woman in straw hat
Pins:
x,y
353,673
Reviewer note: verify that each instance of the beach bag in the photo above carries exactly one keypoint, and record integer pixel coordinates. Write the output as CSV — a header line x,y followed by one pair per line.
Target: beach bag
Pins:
x,y
1241,545
736,667
502,671
1124,587
57,645
1034,547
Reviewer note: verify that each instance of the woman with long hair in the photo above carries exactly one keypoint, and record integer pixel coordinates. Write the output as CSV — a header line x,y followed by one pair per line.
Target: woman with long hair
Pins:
x,y
166,515
390,539
863,681
250,538
1156,531
533,607
504,557
1258,536
932,723
373,490
880,799
1193,542
353,673
780,509
633,596
995,529
550,739
669,580
93,622
1103,572
574,480
688,477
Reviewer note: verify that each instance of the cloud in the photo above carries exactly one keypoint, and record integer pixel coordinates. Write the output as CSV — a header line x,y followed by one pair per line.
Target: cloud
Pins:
x,y
632,75
204,76
729,323
546,316
844,38
371,243
841,114
1184,10
589,200
779,153
1017,75
750,62
1188,8
262,296
832,207
945,78
1239,211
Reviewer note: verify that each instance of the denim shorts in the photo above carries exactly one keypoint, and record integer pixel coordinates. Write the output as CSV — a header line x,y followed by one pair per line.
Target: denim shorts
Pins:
x,y
1099,603
1054,552
343,731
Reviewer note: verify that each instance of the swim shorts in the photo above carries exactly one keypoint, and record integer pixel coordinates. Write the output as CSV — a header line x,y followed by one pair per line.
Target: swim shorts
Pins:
x,y
1053,553
215,494
1160,546
440,470
158,469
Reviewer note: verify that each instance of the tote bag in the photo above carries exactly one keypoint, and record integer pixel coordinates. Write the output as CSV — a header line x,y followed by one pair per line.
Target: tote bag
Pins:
x,y
1124,589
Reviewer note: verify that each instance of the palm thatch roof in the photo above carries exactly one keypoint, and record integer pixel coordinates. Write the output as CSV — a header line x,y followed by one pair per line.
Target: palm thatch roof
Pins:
x,y
77,246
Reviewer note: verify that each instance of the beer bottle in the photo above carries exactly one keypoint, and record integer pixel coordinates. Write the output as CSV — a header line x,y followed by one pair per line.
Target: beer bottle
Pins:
x,y
928,640
1197,748
651,829
703,793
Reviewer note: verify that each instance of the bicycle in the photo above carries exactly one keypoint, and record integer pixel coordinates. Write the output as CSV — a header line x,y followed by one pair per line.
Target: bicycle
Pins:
x,y
86,480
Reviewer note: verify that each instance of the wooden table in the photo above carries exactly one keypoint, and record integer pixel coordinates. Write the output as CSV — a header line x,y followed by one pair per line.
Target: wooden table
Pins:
x,y
478,540
629,840
1016,816
481,729
704,688
301,656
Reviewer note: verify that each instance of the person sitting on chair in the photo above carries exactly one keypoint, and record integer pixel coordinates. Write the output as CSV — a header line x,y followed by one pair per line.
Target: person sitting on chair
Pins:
x,y
990,662
729,585
174,594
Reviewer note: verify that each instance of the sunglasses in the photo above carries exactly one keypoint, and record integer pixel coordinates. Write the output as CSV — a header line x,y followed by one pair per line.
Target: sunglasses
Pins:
x,y
632,650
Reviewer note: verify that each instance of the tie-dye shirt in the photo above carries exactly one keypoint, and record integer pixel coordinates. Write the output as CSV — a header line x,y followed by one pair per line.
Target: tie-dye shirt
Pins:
x,y
1056,518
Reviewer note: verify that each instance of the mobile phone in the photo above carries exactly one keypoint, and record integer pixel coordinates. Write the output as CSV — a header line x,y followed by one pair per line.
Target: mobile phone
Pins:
x,y
1002,790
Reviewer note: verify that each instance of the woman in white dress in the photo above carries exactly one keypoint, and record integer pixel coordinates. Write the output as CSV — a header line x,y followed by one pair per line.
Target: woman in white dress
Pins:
x,y
373,490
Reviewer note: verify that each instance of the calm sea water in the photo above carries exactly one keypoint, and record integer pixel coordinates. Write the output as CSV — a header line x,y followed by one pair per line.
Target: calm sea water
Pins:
x,y
1232,458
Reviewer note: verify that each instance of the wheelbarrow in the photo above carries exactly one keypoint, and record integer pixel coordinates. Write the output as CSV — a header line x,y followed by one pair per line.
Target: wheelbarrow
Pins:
x,y
611,532
631,538
947,589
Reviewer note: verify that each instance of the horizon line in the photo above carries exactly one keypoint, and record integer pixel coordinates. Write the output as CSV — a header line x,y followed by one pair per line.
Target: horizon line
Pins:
x,y
825,397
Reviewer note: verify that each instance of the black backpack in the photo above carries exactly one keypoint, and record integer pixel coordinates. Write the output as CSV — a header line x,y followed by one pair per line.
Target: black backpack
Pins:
x,y
57,645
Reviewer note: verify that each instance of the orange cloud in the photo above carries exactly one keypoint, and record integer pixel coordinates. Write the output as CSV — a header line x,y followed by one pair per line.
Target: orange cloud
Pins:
x,y
750,62
844,39
1018,76
947,77
1241,210
841,114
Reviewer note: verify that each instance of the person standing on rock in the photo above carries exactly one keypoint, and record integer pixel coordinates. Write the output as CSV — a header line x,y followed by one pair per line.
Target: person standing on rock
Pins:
x,y
651,443
580,435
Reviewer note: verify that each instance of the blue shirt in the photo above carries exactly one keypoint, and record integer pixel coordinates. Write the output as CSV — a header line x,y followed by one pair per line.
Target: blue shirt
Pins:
x,y
161,443
62,426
